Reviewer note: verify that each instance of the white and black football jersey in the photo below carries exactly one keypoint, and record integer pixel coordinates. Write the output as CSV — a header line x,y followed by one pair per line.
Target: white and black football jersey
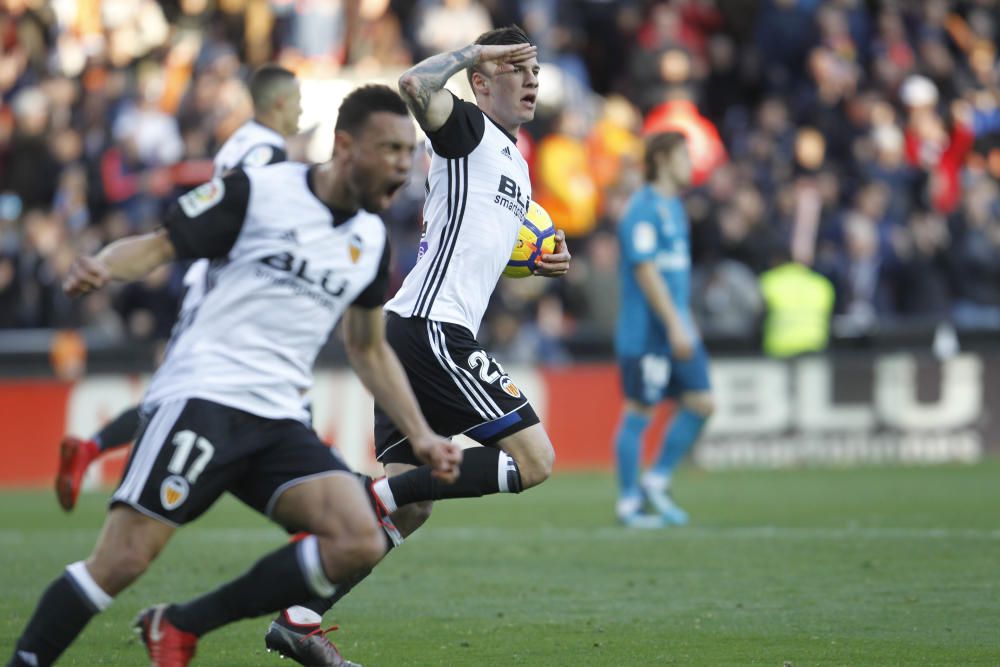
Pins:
x,y
478,189
284,268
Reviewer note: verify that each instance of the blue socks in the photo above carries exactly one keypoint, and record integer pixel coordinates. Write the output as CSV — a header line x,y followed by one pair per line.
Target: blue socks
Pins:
x,y
628,444
683,433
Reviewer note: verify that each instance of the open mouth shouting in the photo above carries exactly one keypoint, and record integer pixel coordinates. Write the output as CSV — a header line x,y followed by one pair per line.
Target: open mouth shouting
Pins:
x,y
393,187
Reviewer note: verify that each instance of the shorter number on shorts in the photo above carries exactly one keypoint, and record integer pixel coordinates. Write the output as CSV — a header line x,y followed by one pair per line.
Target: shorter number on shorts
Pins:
x,y
478,359
185,442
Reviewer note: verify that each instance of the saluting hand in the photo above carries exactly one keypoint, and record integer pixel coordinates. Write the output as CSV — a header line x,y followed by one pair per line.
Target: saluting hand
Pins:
x,y
85,275
506,53
555,264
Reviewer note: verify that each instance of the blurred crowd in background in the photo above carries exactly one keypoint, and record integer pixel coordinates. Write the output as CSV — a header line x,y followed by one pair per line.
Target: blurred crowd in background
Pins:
x,y
858,138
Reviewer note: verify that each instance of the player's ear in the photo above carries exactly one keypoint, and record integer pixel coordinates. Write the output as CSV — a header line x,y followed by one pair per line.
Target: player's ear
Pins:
x,y
342,142
480,82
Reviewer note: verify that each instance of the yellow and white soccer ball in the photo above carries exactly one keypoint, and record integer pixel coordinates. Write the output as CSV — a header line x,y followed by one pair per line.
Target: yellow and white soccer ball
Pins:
x,y
536,237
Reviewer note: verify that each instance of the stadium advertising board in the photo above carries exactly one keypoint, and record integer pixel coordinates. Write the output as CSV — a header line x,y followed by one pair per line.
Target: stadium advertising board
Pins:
x,y
895,408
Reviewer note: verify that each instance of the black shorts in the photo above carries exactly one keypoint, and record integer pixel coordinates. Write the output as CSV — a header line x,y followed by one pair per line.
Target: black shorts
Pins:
x,y
460,387
189,452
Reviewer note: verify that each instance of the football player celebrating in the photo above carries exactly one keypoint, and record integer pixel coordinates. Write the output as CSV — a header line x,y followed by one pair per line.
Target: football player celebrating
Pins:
x,y
478,192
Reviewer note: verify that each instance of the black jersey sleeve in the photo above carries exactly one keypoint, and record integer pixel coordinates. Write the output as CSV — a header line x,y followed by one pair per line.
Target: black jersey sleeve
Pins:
x,y
461,133
206,221
373,296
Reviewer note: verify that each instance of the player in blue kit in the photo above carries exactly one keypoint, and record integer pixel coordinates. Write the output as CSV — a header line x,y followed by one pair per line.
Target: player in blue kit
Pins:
x,y
659,350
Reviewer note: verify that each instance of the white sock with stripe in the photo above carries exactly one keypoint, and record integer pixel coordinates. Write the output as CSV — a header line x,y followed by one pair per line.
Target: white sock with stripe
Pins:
x,y
312,568
384,493
87,586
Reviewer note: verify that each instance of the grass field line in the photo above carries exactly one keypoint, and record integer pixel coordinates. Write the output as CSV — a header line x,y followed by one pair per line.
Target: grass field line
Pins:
x,y
616,533
567,534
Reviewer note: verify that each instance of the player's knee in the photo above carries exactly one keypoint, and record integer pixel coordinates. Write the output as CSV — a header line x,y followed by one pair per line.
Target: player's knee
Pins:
x,y
409,518
535,464
362,546
370,548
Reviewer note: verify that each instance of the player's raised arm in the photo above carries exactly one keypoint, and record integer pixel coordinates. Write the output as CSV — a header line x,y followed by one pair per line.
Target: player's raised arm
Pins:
x,y
382,374
422,86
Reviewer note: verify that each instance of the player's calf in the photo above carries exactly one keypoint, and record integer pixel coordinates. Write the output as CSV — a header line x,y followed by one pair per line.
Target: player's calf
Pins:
x,y
409,518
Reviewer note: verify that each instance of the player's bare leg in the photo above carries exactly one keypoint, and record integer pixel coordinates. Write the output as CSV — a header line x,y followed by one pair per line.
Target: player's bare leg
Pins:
x,y
533,452
127,545
336,511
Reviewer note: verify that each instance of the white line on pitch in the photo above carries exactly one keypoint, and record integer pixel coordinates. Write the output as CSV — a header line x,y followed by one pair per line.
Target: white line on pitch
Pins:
x,y
615,533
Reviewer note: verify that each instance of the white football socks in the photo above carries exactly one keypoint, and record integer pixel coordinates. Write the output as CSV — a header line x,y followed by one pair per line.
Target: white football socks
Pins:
x,y
384,493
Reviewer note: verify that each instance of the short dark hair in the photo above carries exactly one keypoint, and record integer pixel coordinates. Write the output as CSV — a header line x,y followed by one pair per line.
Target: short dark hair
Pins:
x,y
511,34
265,82
661,142
364,101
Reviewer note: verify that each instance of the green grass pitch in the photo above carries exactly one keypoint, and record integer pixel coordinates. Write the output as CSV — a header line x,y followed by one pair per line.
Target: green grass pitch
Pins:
x,y
875,566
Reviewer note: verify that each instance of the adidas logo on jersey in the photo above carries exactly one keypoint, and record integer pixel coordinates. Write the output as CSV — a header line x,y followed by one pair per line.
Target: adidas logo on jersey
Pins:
x,y
506,151
290,235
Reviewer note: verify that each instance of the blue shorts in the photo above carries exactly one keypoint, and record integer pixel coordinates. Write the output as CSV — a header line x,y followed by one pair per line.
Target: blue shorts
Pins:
x,y
651,378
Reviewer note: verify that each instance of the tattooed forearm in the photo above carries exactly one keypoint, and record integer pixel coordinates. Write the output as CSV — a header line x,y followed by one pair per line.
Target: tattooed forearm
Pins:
x,y
421,81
